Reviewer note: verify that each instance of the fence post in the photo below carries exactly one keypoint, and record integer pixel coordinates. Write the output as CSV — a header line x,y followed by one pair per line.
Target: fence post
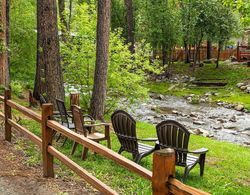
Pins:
x,y
74,99
163,168
47,136
7,114
238,51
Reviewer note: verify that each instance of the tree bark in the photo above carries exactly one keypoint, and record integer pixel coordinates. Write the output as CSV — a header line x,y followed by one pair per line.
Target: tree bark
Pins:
x,y
49,79
209,50
164,54
102,51
187,56
64,25
4,65
218,56
130,24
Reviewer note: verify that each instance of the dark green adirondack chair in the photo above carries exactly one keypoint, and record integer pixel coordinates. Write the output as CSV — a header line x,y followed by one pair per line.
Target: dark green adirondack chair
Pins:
x,y
172,134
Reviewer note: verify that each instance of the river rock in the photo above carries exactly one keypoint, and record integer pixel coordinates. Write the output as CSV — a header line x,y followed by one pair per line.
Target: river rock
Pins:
x,y
243,87
246,133
193,114
202,100
189,99
208,94
240,84
233,119
239,107
212,117
229,126
247,89
221,120
217,127
199,122
196,131
175,112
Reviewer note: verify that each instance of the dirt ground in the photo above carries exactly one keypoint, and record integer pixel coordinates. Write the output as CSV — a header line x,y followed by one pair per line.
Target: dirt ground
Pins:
x,y
16,178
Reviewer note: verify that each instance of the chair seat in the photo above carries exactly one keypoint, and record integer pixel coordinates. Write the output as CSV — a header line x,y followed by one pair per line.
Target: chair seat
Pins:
x,y
191,160
144,148
96,136
70,125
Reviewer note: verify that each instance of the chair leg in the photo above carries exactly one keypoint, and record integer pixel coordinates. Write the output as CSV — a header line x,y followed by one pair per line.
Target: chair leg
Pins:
x,y
186,172
64,141
58,137
120,150
138,159
202,163
74,148
109,143
84,153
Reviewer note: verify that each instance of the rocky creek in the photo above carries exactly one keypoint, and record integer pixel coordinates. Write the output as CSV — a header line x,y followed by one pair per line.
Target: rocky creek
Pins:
x,y
203,119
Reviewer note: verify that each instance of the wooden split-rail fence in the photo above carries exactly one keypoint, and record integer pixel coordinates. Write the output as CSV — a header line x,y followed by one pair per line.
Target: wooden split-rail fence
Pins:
x,y
162,176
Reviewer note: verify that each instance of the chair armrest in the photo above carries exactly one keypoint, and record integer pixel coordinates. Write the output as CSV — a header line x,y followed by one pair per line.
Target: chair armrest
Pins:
x,y
199,151
56,113
96,125
150,139
88,116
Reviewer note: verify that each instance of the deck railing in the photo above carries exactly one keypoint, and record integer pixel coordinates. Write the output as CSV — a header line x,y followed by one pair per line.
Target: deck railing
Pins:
x,y
162,177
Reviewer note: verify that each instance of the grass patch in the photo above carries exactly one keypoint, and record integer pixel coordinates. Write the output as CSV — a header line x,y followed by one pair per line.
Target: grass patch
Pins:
x,y
226,171
232,74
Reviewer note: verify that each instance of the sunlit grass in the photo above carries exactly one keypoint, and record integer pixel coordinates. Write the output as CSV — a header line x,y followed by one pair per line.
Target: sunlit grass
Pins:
x,y
226,171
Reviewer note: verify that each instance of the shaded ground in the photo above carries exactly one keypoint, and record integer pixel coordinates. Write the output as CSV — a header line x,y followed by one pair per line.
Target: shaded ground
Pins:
x,y
18,178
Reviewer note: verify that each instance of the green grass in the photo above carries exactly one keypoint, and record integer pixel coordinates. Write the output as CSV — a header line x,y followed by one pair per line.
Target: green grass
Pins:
x,y
226,171
232,74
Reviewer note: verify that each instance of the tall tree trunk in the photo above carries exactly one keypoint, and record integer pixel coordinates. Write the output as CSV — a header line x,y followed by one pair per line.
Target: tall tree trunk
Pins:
x,y
164,54
4,65
64,25
218,56
187,54
70,15
209,50
49,80
130,24
102,51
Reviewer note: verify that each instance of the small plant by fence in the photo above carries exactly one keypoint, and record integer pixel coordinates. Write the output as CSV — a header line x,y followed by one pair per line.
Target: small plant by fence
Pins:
x,y
162,176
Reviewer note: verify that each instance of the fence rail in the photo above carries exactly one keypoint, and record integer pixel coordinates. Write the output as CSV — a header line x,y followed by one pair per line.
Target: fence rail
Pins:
x,y
163,160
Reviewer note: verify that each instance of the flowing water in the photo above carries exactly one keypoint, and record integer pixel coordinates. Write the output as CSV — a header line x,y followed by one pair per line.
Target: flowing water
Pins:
x,y
208,120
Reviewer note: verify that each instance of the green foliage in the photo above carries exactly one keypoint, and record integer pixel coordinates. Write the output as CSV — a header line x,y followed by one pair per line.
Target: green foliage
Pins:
x,y
23,40
242,7
126,72
17,88
206,19
158,21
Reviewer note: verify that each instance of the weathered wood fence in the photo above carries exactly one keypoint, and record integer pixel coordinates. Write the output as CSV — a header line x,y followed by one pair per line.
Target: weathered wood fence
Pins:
x,y
162,177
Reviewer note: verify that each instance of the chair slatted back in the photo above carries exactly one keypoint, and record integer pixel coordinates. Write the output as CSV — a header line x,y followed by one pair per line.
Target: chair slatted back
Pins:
x,y
125,128
172,134
42,99
78,120
63,112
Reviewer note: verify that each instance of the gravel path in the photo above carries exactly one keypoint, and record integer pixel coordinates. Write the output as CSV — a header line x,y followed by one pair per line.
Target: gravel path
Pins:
x,y
16,178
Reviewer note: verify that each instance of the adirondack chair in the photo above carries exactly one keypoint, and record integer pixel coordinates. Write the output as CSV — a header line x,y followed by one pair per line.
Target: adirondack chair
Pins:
x,y
125,128
88,130
172,134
